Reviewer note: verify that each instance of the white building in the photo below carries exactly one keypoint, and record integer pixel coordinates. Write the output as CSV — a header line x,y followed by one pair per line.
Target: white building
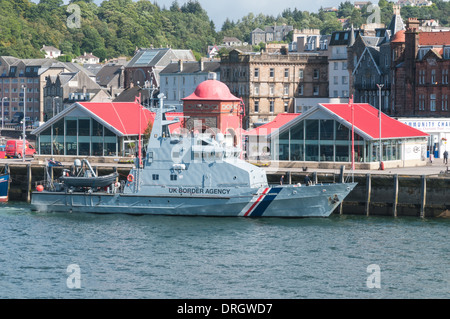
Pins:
x,y
338,75
180,79
87,58
437,128
50,52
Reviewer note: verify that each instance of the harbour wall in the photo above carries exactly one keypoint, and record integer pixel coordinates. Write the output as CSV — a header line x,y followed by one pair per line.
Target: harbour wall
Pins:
x,y
384,195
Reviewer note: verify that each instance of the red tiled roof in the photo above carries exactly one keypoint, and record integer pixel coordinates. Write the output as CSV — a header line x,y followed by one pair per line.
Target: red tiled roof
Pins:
x,y
399,37
280,120
366,119
434,38
124,116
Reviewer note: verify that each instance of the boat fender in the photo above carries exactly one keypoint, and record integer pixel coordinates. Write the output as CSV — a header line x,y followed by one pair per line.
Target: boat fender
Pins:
x,y
130,178
116,184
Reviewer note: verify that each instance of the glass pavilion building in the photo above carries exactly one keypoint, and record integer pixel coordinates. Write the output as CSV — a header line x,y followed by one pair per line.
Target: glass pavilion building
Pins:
x,y
323,134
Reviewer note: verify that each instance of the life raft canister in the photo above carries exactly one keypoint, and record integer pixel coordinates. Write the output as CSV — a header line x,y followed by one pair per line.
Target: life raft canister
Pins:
x,y
130,178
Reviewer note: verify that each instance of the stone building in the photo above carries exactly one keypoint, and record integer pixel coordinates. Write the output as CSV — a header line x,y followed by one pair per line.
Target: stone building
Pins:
x,y
17,75
420,68
62,90
369,64
180,79
271,34
147,63
269,84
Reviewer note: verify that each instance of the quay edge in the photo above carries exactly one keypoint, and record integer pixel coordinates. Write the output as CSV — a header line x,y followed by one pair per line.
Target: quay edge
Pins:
x,y
376,194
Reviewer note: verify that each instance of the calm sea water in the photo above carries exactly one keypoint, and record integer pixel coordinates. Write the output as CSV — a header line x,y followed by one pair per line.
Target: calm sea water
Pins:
x,y
123,256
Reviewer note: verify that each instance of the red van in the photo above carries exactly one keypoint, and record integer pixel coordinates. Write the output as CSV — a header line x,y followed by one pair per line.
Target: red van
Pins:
x,y
2,151
14,148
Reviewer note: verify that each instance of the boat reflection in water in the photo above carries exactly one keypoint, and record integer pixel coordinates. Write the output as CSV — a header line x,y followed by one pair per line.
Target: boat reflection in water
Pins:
x,y
190,176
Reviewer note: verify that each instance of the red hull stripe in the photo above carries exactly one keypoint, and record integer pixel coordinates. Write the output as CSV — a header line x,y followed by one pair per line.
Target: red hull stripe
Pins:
x,y
257,201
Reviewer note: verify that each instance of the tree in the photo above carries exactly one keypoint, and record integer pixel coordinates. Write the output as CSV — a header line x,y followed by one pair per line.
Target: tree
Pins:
x,y
175,7
345,9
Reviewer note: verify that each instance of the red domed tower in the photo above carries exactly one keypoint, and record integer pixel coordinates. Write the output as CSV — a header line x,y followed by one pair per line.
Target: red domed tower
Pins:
x,y
213,106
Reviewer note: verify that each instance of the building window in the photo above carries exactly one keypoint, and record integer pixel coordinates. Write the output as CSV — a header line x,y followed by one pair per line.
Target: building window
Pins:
x,y
271,72
173,177
335,92
271,89
344,65
256,89
286,106
300,89
432,102
336,65
445,76
286,89
335,80
300,74
344,80
444,102
433,76
316,74
271,106
256,73
316,90
286,73
155,177
345,93
421,102
256,106
446,53
421,76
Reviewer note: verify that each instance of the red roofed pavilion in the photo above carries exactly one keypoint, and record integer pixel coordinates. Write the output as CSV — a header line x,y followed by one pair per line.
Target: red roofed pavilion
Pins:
x,y
96,129
322,136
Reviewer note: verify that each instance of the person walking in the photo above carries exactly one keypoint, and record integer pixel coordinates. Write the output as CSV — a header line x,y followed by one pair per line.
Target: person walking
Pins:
x,y
446,157
307,180
281,179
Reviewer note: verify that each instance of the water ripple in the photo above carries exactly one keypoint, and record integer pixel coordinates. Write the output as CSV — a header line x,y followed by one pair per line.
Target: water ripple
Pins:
x,y
122,256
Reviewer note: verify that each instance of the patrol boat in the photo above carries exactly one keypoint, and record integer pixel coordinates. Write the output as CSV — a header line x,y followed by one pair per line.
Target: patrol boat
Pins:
x,y
193,176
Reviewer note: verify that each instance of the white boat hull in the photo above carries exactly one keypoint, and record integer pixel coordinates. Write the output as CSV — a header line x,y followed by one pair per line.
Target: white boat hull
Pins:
x,y
280,201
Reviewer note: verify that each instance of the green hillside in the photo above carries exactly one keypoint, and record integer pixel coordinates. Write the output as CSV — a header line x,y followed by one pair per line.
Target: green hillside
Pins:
x,y
117,27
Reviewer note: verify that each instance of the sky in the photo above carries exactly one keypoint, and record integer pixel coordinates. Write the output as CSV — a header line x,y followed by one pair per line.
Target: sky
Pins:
x,y
220,10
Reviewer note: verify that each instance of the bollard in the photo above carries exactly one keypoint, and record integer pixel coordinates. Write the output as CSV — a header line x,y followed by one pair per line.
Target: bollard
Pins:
x,y
394,207
423,192
368,192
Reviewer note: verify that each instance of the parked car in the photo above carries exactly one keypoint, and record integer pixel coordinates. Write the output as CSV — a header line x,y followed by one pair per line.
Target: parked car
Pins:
x,y
14,148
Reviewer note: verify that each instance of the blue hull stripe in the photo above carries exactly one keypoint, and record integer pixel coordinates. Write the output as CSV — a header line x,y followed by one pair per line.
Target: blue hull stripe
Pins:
x,y
265,202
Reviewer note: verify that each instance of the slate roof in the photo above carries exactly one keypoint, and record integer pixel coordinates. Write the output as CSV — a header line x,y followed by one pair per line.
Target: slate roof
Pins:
x,y
192,67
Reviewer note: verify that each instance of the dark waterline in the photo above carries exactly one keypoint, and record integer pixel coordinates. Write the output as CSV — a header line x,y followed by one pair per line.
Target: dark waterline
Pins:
x,y
124,256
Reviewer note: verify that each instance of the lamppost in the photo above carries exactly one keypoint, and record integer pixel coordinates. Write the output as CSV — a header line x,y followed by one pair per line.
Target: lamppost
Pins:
x,y
24,122
379,115
3,111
